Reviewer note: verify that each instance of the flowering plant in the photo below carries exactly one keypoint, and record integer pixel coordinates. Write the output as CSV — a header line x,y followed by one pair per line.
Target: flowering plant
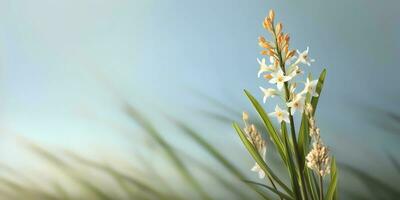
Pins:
x,y
304,154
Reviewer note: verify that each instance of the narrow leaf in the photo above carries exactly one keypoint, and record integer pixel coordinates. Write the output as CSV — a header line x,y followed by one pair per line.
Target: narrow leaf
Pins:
x,y
332,194
260,161
285,196
268,125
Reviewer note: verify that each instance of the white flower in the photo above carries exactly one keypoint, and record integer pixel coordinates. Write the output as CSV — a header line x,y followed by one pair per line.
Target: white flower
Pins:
x,y
279,79
294,71
297,103
310,87
256,167
303,57
281,115
264,67
268,93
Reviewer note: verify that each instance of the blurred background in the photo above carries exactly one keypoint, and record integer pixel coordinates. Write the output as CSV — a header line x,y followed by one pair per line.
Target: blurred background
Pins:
x,y
91,90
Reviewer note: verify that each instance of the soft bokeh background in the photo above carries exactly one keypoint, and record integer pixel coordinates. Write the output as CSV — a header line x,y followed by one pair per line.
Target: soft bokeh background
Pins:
x,y
65,66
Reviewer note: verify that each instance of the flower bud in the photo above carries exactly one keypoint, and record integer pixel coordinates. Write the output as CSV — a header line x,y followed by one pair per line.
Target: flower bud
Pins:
x,y
271,15
264,52
290,54
278,28
245,116
268,76
261,39
268,24
287,38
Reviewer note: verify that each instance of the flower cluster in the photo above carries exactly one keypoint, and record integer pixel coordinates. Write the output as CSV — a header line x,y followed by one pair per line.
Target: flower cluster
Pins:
x,y
284,65
257,141
318,158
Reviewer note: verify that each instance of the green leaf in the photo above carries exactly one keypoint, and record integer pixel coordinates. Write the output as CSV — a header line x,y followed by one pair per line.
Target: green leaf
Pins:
x,y
311,184
304,137
260,161
291,165
285,196
332,190
268,125
318,90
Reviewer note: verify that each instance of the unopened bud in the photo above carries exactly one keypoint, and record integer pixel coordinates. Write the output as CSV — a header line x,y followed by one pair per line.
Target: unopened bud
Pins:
x,y
245,116
264,52
271,15
290,54
278,28
268,76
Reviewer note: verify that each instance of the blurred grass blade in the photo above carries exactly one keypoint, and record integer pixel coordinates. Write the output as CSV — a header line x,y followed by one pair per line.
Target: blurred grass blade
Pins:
x,y
94,190
260,161
377,188
120,177
184,171
394,162
216,175
283,195
214,153
217,103
332,189
268,125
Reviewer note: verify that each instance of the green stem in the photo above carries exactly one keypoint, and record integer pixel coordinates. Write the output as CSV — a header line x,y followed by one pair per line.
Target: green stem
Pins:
x,y
292,126
321,190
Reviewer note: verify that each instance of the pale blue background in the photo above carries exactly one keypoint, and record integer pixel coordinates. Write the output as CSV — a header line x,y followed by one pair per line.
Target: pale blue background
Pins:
x,y
62,63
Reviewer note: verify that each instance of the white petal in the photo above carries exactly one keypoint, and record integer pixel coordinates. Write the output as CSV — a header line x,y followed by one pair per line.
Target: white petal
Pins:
x,y
271,59
285,116
293,110
277,108
280,119
286,78
255,168
286,119
261,174
314,82
279,85
273,80
272,114
263,152
260,72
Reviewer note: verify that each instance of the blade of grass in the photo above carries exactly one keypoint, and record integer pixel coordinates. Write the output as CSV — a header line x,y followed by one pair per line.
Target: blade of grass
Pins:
x,y
217,176
283,195
377,187
304,137
318,90
214,152
268,125
145,124
118,176
291,165
332,189
394,162
260,161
